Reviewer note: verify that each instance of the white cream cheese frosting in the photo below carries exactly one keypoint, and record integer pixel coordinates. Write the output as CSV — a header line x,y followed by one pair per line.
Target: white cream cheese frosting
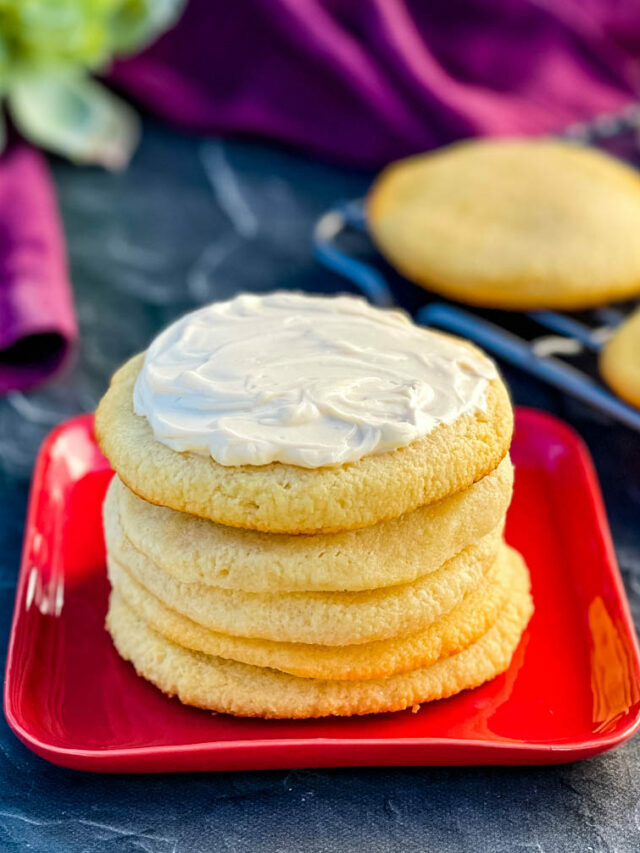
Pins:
x,y
305,380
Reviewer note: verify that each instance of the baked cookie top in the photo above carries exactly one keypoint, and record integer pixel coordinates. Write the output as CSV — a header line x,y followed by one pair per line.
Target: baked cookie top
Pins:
x,y
519,224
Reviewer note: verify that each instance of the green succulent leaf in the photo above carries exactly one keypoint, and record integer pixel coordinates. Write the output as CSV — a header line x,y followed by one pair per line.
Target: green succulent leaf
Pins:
x,y
73,115
46,49
41,33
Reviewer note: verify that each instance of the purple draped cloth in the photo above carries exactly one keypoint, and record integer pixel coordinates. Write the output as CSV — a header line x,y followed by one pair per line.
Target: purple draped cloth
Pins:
x,y
37,319
367,82
359,81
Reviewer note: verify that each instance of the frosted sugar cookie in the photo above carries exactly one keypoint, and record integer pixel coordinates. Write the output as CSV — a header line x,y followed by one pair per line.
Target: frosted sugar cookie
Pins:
x,y
620,360
462,626
236,688
396,551
327,618
295,414
512,223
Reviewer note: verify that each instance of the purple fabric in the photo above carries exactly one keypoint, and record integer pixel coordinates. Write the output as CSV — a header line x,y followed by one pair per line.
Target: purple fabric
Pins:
x,y
37,319
367,82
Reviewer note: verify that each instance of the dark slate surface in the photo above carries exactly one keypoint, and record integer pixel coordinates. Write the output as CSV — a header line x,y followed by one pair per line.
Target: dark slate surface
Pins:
x,y
189,222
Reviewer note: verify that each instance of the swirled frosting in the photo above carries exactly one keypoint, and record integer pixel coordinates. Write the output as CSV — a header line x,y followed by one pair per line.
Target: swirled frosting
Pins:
x,y
305,380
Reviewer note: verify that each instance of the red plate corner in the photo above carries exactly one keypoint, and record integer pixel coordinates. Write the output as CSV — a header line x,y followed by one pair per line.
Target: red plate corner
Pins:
x,y
573,688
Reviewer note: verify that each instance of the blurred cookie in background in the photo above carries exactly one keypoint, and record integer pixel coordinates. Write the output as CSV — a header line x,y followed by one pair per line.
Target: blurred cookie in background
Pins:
x,y
620,360
512,224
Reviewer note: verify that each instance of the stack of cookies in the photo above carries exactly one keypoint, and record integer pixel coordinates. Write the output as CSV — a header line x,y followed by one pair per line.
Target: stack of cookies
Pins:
x,y
308,508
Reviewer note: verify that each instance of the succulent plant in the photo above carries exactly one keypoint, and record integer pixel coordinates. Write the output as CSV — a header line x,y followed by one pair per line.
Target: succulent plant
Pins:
x,y
48,52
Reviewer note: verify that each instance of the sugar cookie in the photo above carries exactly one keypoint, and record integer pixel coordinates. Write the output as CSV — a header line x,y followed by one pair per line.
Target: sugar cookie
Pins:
x,y
395,551
328,618
519,224
236,688
280,498
620,360
463,625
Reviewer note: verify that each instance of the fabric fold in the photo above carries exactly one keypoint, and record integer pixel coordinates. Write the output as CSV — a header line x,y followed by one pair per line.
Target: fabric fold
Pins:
x,y
38,327
366,83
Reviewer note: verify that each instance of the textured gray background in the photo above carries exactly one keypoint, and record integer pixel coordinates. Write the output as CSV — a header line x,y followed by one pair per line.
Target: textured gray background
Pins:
x,y
191,221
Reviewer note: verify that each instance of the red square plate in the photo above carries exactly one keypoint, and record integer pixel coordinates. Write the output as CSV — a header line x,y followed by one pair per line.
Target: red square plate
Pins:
x,y
573,688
